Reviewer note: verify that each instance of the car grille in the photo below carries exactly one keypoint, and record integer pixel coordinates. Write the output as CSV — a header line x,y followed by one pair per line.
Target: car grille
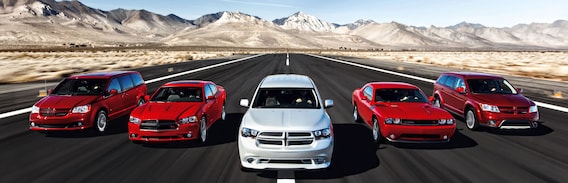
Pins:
x,y
285,138
419,122
158,125
53,112
513,110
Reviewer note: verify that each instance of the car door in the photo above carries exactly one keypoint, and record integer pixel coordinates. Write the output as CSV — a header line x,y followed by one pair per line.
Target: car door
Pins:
x,y
366,110
113,102
128,93
460,98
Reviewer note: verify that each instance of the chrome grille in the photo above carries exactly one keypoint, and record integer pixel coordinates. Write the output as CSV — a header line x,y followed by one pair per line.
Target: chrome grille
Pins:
x,y
278,139
513,110
53,112
419,122
158,125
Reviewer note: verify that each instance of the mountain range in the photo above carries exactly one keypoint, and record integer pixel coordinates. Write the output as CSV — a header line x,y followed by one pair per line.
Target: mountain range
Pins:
x,y
53,23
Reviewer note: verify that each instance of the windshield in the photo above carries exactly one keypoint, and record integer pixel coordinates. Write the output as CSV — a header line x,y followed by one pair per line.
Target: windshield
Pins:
x,y
399,95
80,87
178,94
286,98
491,86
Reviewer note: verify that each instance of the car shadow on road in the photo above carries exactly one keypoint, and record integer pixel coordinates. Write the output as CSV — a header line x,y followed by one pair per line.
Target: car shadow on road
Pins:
x,y
221,132
354,152
459,140
539,131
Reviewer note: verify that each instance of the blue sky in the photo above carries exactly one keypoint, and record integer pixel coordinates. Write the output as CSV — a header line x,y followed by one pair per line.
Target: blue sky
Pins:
x,y
441,13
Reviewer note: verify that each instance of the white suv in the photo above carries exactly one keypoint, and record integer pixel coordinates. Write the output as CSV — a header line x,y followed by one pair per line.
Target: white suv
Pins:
x,y
286,126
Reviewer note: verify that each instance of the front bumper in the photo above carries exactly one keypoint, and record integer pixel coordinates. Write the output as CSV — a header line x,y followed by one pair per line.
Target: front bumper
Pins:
x,y
314,156
183,132
418,133
71,121
509,121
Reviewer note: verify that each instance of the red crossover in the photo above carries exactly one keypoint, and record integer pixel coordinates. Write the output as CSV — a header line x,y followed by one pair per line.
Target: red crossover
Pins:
x,y
485,99
400,112
177,111
88,100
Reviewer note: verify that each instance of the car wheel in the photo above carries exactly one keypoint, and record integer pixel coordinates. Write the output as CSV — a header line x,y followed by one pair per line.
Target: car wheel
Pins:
x,y
223,113
376,131
203,129
140,101
471,119
356,116
437,102
101,121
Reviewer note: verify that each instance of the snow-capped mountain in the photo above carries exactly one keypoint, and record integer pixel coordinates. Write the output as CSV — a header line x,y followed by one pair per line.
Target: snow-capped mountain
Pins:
x,y
50,22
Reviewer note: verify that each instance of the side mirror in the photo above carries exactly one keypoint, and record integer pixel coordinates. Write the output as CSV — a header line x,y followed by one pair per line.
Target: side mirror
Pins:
x,y
211,97
49,91
363,97
328,103
146,98
113,92
244,102
461,90
519,90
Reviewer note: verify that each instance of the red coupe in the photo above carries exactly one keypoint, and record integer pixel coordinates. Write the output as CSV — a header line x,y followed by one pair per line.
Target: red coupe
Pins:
x,y
400,112
178,111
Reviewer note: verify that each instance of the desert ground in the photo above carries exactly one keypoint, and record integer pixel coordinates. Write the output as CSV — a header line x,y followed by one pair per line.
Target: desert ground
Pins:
x,y
25,66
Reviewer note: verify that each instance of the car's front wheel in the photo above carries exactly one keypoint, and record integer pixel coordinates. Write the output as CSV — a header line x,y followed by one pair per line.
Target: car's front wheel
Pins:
x,y
376,131
140,101
223,113
471,119
356,116
101,121
437,101
203,129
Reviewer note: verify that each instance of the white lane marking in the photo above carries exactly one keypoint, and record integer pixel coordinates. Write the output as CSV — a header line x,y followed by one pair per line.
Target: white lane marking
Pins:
x,y
285,176
26,110
540,104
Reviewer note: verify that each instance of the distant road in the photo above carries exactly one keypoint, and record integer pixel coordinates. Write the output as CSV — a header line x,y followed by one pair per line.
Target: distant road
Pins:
x,y
485,156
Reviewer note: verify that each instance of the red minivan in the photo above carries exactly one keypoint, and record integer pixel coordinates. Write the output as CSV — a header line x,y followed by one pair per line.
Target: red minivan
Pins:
x,y
88,100
485,99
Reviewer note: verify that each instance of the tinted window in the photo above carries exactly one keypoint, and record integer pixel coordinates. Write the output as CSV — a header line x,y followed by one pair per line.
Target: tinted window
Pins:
x,y
80,87
442,79
460,83
213,89
491,86
114,84
368,92
178,94
450,81
399,95
137,79
208,91
126,82
286,98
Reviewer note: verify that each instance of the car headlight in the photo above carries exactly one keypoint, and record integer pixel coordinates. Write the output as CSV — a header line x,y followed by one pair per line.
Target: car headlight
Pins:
x,y
490,108
247,132
323,133
81,109
35,109
446,121
134,120
191,119
395,121
533,108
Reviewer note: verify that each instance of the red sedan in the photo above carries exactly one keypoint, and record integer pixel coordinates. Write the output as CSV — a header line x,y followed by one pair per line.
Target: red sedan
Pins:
x,y
400,112
178,111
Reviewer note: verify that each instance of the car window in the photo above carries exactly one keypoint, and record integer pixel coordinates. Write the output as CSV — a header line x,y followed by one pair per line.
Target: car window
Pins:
x,y
80,87
213,89
491,86
399,95
450,81
137,79
368,92
178,94
459,83
286,98
126,82
114,84
208,91
442,79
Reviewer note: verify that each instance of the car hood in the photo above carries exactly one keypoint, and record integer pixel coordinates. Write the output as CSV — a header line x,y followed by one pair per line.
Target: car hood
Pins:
x,y
407,110
286,119
65,102
503,99
166,111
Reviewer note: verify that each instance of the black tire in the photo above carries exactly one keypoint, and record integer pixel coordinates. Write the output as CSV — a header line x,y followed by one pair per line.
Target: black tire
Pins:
x,y
356,116
471,120
376,130
437,102
140,101
203,129
101,121
223,113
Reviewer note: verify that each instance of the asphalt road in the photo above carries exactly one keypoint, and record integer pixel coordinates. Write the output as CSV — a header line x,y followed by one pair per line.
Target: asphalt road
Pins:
x,y
472,156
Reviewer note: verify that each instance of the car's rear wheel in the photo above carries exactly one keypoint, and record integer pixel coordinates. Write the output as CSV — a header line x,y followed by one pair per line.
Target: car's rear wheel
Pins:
x,y
101,121
356,116
471,119
376,131
203,129
223,113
